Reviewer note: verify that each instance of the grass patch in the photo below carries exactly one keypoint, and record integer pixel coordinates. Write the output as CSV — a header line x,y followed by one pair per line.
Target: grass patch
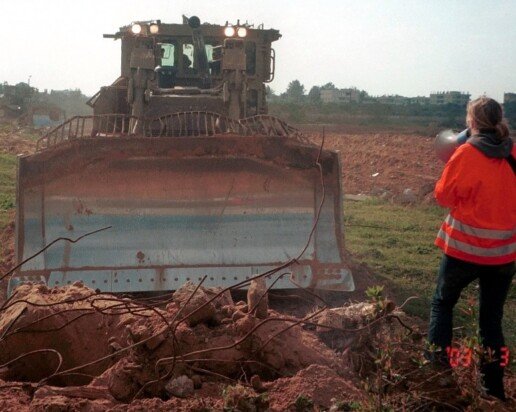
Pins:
x,y
7,181
397,243
7,187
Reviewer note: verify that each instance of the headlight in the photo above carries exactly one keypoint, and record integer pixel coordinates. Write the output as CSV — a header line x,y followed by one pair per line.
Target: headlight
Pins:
x,y
136,28
154,28
242,32
229,31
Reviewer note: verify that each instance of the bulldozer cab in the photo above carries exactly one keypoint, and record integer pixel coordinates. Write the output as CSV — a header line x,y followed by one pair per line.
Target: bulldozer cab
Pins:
x,y
186,170
190,67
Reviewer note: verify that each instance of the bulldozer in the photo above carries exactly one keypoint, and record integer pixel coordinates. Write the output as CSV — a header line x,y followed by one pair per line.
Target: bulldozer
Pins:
x,y
189,175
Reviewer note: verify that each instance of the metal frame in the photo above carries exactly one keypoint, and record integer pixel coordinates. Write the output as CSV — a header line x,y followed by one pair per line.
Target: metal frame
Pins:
x,y
181,124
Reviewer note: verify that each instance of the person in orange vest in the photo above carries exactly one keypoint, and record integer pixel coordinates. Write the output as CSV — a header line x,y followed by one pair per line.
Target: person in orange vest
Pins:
x,y
478,237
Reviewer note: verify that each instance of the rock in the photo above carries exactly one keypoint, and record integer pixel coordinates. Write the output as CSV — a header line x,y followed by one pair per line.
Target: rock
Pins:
x,y
224,298
358,198
408,196
350,316
244,325
120,382
238,315
197,381
227,311
377,191
180,387
257,384
257,298
200,299
425,189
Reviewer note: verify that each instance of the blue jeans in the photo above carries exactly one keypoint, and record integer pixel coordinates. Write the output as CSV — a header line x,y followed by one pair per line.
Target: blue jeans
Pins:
x,y
454,276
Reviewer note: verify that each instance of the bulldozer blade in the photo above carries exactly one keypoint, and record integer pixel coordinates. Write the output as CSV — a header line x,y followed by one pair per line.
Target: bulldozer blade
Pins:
x,y
226,207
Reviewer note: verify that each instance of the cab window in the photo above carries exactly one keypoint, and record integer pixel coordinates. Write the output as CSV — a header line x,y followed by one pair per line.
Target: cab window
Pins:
x,y
209,52
214,55
168,56
188,59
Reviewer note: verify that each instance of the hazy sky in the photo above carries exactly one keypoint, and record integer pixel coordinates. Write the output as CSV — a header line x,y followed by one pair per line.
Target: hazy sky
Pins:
x,y
384,47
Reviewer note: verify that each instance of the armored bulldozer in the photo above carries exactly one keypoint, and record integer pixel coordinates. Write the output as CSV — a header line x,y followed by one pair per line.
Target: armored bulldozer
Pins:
x,y
193,178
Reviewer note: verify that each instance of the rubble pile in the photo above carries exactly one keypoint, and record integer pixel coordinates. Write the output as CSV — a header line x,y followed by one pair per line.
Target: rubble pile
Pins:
x,y
74,349
70,345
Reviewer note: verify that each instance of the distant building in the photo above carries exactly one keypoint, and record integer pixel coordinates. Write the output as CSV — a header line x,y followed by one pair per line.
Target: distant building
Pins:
x,y
340,95
509,98
393,99
452,97
419,100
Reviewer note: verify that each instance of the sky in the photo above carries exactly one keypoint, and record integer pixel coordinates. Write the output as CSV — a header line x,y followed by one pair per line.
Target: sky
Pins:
x,y
405,47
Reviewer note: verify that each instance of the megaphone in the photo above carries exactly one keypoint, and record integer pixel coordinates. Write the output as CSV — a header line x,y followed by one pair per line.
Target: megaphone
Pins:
x,y
447,141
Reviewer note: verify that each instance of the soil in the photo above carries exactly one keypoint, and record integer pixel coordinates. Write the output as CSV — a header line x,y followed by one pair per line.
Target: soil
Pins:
x,y
384,164
13,142
322,385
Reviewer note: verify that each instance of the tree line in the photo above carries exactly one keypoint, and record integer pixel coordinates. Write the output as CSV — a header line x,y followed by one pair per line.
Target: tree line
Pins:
x,y
295,100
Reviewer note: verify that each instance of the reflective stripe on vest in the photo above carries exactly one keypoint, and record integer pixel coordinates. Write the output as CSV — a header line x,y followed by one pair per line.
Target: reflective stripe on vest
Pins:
x,y
477,232
477,236
474,250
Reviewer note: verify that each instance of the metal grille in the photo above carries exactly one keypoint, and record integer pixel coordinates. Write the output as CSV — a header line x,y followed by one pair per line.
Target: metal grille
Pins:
x,y
182,124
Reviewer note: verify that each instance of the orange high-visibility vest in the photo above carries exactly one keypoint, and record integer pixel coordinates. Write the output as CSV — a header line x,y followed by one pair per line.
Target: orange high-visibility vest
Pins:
x,y
481,194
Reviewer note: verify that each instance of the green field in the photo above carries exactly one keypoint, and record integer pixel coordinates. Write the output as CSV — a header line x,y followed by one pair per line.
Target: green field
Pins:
x,y
396,242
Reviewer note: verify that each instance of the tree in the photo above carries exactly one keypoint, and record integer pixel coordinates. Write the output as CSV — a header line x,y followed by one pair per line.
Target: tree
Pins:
x,y
328,86
269,92
295,91
314,95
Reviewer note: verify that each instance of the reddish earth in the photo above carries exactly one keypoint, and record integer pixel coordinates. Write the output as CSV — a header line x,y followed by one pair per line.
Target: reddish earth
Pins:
x,y
385,164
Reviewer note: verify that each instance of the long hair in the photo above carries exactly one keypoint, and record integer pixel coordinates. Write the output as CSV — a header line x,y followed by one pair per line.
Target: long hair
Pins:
x,y
486,115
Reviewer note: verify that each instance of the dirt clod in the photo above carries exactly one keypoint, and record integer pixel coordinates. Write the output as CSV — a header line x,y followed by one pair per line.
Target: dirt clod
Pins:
x,y
257,299
181,387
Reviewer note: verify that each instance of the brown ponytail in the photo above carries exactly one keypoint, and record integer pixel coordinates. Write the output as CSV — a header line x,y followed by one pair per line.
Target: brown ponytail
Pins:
x,y
486,115
502,129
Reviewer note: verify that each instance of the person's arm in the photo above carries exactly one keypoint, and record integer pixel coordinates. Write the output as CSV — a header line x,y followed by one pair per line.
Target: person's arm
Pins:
x,y
453,186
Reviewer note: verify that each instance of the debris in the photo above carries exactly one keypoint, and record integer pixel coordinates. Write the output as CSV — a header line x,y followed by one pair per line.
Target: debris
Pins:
x,y
180,387
143,351
257,384
240,398
257,298
408,196
74,322
197,302
319,384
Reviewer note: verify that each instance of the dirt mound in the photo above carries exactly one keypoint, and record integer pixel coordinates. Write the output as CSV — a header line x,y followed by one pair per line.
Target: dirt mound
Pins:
x,y
385,164
59,328
69,335
73,349
229,344
316,386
